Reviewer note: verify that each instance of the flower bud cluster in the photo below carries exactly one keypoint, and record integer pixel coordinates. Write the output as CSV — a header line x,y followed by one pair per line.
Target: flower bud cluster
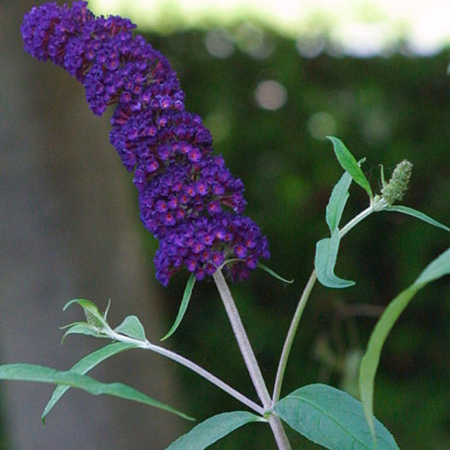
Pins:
x,y
395,189
188,198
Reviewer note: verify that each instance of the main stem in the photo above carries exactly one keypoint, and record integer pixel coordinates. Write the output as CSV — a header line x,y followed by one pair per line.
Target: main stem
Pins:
x,y
250,360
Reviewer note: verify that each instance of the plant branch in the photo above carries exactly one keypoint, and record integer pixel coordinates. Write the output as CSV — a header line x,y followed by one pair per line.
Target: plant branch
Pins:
x,y
377,204
291,335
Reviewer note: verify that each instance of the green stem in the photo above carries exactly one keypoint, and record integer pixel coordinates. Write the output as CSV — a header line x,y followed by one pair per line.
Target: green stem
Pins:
x,y
291,335
361,216
377,204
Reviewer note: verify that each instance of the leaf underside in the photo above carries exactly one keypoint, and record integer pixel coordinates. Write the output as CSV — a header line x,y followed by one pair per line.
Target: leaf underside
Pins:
x,y
325,261
337,202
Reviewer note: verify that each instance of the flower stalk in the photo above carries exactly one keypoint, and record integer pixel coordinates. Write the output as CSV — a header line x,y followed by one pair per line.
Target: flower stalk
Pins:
x,y
250,360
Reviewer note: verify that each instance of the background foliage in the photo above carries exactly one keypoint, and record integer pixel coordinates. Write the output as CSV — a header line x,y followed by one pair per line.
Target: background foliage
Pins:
x,y
385,109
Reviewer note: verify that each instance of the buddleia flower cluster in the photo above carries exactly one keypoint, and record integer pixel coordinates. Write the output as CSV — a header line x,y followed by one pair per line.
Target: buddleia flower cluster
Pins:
x,y
188,198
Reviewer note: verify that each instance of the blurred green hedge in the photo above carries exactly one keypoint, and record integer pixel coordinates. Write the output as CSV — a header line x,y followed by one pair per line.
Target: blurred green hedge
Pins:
x,y
385,109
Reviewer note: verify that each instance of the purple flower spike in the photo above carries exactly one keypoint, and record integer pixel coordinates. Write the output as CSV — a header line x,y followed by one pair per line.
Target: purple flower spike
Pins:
x,y
187,196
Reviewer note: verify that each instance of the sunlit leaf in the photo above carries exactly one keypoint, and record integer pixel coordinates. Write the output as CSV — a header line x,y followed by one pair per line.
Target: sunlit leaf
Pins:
x,y
349,164
213,429
331,418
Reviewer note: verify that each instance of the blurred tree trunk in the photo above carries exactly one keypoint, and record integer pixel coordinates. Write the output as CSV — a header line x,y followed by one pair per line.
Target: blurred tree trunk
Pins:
x,y
69,228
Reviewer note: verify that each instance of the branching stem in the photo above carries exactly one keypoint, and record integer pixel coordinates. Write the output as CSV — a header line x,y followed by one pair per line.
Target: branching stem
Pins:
x,y
377,204
146,345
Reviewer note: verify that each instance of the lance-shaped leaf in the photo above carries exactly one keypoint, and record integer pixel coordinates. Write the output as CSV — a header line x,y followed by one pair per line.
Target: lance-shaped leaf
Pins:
x,y
274,274
30,372
84,366
369,364
87,305
183,307
349,164
325,261
82,328
213,429
417,214
331,418
337,202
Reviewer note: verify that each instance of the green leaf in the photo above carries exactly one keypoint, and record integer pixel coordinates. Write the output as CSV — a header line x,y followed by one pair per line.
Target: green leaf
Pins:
x,y
213,429
85,304
93,315
273,273
337,201
369,364
350,165
30,372
436,269
325,261
183,307
417,214
84,366
82,328
132,327
331,418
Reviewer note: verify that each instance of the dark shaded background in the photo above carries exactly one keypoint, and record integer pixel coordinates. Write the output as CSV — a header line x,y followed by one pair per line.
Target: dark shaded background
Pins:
x,y
384,109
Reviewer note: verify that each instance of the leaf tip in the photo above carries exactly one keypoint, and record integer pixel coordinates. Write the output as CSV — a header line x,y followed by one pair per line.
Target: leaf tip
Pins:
x,y
274,274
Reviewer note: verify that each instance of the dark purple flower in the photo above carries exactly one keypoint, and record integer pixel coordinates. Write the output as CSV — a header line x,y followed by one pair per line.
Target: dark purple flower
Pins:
x,y
188,198
206,243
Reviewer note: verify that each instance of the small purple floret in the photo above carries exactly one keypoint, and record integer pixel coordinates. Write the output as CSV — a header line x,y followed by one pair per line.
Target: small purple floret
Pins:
x,y
187,196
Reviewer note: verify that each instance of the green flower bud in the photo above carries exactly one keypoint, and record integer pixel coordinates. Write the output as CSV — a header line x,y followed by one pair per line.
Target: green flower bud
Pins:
x,y
398,184
92,319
